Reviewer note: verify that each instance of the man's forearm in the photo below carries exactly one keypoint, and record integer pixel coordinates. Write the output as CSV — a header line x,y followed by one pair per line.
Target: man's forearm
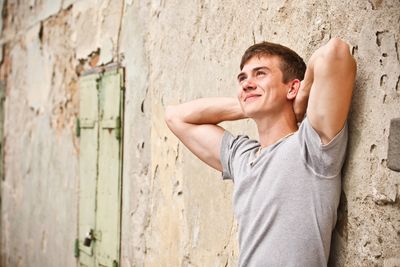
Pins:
x,y
206,111
309,74
320,57
301,101
328,86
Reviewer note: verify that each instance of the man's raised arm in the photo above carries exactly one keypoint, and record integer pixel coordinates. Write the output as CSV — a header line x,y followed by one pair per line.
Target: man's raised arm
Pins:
x,y
195,124
328,86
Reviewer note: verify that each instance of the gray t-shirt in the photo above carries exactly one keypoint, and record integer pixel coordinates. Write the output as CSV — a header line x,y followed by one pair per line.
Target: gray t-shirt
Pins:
x,y
285,199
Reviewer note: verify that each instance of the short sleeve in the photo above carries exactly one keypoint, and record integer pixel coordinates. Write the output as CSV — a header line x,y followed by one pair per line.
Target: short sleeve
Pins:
x,y
232,148
225,155
325,160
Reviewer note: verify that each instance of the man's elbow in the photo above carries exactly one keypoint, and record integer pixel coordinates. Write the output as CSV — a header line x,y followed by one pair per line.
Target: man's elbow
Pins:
x,y
174,118
337,49
336,55
170,116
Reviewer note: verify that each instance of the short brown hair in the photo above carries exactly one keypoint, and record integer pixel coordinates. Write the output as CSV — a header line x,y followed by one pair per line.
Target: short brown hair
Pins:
x,y
292,65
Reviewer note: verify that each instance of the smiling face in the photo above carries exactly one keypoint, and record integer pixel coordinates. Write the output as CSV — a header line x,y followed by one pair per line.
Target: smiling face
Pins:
x,y
261,88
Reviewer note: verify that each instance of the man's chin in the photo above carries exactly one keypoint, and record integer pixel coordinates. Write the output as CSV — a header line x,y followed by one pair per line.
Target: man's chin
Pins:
x,y
253,114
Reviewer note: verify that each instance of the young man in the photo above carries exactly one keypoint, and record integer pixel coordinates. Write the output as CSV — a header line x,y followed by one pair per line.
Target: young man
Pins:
x,y
286,184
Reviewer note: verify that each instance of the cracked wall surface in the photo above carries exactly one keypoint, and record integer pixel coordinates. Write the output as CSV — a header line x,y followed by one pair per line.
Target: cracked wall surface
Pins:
x,y
175,210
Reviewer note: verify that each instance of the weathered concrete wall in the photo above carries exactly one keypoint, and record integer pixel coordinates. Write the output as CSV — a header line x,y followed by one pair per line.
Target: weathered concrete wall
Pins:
x,y
176,211
39,194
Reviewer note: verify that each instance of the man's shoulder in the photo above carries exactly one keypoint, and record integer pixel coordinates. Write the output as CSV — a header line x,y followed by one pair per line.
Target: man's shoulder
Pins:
x,y
231,142
310,134
239,139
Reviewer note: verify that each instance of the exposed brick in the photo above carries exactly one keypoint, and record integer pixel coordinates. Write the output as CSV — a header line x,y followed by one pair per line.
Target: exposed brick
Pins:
x,y
393,161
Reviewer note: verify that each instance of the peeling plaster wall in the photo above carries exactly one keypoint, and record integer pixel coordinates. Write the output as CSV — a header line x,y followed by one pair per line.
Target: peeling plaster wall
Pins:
x,y
175,210
39,191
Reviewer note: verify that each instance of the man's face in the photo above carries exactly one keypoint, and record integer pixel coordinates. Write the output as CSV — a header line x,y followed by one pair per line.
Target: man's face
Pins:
x,y
261,88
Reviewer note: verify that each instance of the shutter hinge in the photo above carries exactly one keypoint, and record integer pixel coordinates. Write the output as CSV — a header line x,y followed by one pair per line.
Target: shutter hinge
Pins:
x,y
76,248
78,127
118,128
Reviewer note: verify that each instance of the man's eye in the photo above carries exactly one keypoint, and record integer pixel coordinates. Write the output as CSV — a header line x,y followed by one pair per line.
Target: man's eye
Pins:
x,y
241,79
260,73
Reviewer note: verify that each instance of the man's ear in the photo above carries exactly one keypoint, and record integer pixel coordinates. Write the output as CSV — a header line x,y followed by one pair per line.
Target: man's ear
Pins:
x,y
294,87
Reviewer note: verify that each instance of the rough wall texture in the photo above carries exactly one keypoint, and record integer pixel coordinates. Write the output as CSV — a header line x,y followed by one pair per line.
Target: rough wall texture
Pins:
x,y
39,189
176,211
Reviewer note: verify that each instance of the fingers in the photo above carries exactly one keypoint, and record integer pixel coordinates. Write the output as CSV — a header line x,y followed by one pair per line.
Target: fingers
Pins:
x,y
300,103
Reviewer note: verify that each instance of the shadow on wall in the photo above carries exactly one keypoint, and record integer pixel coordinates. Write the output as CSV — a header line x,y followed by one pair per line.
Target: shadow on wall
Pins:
x,y
339,250
339,237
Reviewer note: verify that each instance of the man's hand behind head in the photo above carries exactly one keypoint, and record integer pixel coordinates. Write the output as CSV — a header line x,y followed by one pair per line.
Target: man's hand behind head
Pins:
x,y
301,101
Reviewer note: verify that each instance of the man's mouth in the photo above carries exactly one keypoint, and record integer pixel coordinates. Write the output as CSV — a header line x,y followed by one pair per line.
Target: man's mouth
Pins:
x,y
250,97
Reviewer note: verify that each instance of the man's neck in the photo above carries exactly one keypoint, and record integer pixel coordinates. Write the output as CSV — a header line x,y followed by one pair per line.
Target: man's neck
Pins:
x,y
273,128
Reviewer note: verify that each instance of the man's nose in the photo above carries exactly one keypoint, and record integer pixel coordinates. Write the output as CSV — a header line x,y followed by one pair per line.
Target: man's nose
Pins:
x,y
248,84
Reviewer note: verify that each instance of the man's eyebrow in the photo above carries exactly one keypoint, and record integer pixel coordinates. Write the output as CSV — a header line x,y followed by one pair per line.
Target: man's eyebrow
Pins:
x,y
260,68
240,75
253,70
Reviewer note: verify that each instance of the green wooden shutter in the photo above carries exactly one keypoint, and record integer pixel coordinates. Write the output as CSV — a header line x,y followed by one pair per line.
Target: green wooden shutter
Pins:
x,y
88,122
109,177
101,110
